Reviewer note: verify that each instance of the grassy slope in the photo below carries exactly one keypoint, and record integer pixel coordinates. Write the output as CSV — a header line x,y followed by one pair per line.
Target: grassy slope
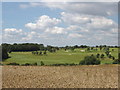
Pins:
x,y
59,57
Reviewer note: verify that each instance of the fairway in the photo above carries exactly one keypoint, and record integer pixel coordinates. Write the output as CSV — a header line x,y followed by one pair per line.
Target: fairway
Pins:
x,y
59,57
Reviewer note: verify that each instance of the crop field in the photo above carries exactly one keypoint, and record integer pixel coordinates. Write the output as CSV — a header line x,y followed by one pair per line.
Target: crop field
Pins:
x,y
97,76
59,57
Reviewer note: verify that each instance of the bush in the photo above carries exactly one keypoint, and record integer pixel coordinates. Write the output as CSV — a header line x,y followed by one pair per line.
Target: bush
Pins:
x,y
110,56
90,60
107,63
42,63
4,53
66,64
116,61
113,57
72,64
98,55
1,64
13,63
34,64
102,55
57,64
27,64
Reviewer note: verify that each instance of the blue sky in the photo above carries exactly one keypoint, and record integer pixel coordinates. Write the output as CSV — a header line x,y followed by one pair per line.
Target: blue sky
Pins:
x,y
60,23
14,16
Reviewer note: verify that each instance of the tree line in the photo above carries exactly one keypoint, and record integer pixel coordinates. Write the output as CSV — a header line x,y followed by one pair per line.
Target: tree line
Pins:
x,y
6,48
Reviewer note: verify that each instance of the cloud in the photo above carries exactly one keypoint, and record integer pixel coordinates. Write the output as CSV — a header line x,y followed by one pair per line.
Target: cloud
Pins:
x,y
43,22
78,26
75,35
31,4
56,30
13,31
75,19
101,23
29,36
86,23
88,8
12,34
64,1
79,23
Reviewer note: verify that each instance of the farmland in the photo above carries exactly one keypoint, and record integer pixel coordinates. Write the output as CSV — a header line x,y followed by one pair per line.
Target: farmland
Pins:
x,y
51,76
97,76
59,57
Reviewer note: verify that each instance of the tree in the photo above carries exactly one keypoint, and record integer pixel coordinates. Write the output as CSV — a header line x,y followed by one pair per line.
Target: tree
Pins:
x,y
76,46
107,52
4,53
98,55
90,60
110,56
113,57
106,48
100,47
42,63
72,49
102,55
112,49
117,61
40,53
92,48
118,56
88,49
13,63
36,53
45,53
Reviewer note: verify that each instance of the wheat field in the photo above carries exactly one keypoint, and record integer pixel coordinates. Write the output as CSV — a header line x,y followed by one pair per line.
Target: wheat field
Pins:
x,y
97,76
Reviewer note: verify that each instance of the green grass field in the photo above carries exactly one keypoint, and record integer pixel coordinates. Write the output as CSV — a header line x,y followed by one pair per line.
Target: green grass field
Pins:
x,y
60,57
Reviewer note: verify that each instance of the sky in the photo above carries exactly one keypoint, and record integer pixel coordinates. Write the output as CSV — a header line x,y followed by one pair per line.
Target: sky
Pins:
x,y
60,24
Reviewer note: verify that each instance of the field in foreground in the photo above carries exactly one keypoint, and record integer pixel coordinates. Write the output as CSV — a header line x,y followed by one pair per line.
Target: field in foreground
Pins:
x,y
101,76
60,57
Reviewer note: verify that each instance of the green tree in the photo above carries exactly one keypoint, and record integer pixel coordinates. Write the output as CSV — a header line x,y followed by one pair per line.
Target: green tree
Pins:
x,y
98,55
42,63
45,53
72,49
107,52
102,55
90,60
40,53
113,57
4,53
117,61
88,49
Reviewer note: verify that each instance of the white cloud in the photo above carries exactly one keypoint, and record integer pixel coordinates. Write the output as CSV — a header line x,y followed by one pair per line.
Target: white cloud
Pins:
x,y
86,23
75,35
31,4
79,23
88,8
74,19
43,22
56,30
64,1
101,23
13,31
79,26
114,30
29,36
12,34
